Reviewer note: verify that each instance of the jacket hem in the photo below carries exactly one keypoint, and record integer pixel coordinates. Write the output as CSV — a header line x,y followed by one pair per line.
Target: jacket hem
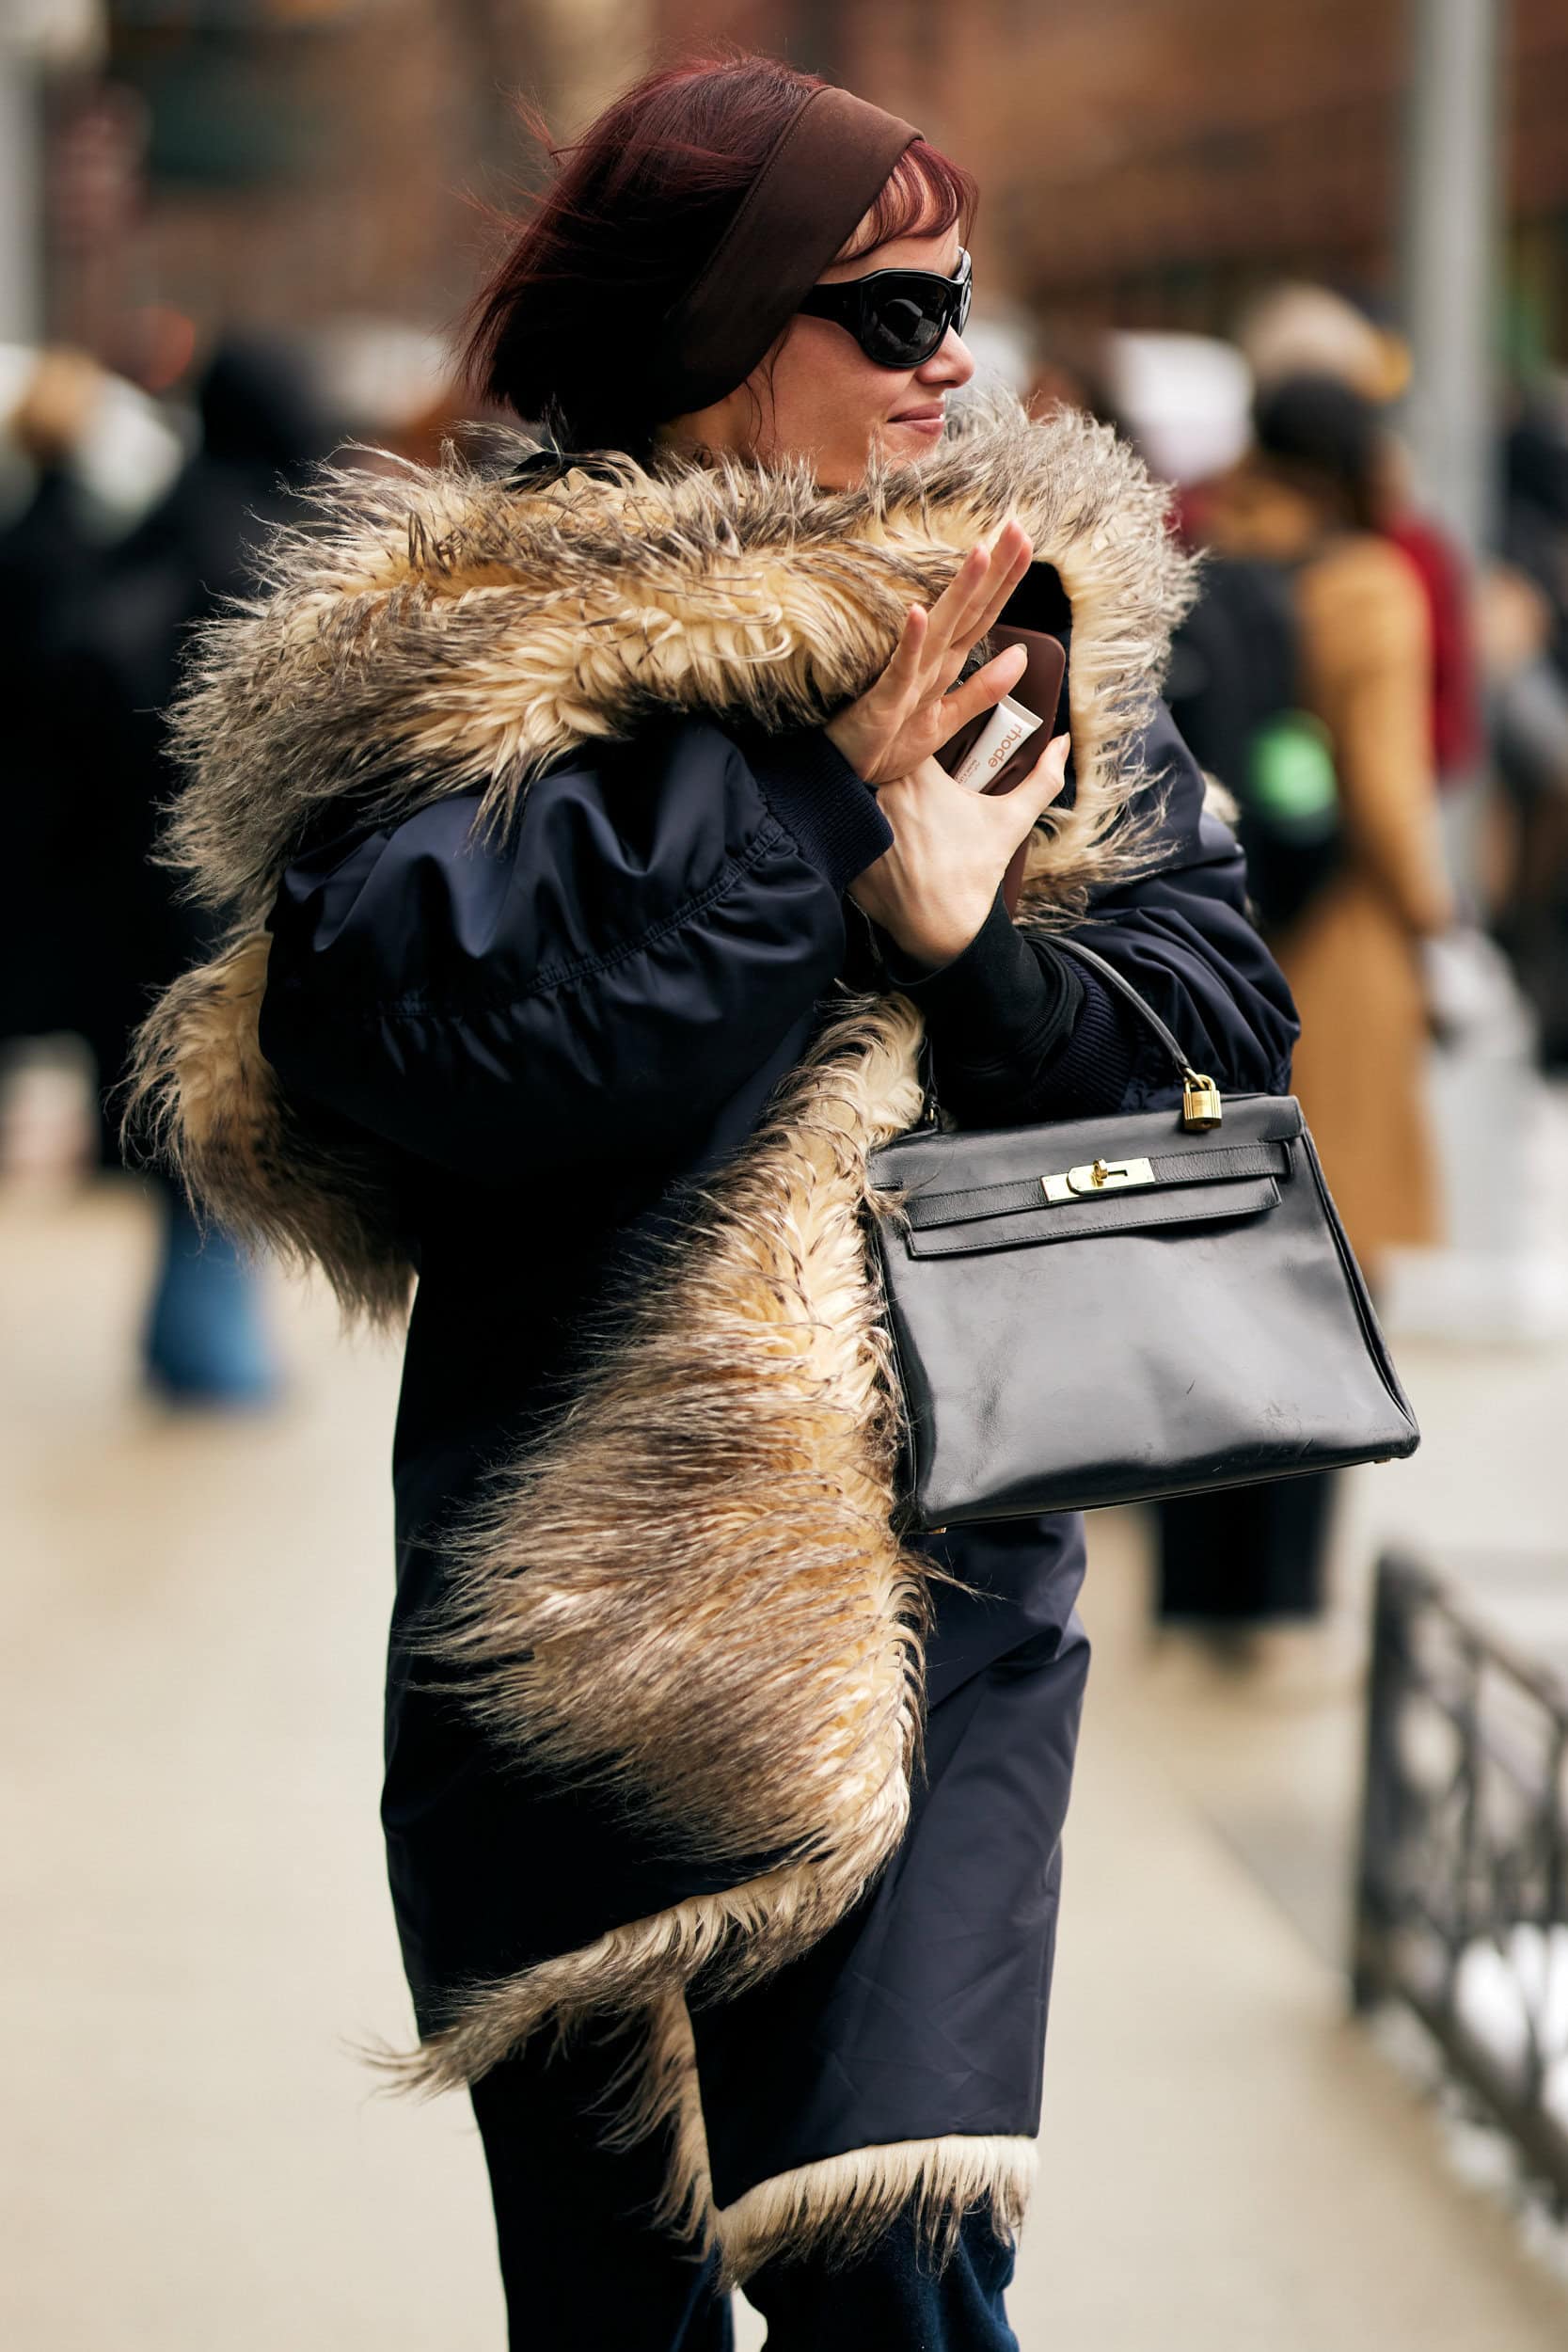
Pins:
x,y
728,1939
837,2208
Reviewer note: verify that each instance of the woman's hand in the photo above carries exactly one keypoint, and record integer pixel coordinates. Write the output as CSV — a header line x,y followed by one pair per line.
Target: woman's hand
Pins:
x,y
934,888
909,713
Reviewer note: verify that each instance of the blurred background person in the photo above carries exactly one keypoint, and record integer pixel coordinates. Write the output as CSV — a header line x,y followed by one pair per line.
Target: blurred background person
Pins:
x,y
1335,766
96,628
260,432
1524,625
1311,504
84,456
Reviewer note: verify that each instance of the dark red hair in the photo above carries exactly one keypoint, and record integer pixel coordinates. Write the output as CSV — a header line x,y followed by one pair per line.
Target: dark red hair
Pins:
x,y
635,208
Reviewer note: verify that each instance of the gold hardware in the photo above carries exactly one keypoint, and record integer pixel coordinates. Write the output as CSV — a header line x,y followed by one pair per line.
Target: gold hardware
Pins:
x,y
1201,1107
1098,1176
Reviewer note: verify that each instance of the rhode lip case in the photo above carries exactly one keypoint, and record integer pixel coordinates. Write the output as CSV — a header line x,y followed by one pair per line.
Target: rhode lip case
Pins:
x,y
1040,692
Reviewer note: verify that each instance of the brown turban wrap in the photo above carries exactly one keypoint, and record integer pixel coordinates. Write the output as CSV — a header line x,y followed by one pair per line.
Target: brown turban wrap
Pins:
x,y
825,170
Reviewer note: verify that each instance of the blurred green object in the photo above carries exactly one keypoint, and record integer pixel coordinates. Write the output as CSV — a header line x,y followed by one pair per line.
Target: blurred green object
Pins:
x,y
1293,785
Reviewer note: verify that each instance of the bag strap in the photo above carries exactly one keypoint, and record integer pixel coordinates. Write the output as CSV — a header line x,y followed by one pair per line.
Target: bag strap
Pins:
x,y
1200,1103
1201,1107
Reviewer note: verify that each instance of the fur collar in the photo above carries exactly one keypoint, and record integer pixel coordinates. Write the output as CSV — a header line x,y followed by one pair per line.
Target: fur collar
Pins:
x,y
431,631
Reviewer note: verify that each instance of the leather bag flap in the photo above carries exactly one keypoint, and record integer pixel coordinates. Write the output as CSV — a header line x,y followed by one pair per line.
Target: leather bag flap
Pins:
x,y
953,1195
1135,1211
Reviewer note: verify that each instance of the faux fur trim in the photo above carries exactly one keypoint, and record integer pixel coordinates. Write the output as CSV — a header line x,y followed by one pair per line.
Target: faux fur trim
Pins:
x,y
661,2094
203,1100
838,2208
738,1450
436,629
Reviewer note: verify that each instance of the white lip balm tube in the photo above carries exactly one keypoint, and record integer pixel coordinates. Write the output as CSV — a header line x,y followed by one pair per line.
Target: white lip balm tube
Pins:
x,y
1008,726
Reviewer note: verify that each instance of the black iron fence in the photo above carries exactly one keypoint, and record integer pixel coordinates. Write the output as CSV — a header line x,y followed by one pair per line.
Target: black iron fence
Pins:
x,y
1461,1905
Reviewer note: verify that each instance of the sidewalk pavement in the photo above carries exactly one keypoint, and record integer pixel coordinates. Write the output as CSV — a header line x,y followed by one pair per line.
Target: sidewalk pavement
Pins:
x,y
199,1932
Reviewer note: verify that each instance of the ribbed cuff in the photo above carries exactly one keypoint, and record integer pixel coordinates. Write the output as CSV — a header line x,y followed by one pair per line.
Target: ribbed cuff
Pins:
x,y
1021,1032
1000,998
1094,1069
828,811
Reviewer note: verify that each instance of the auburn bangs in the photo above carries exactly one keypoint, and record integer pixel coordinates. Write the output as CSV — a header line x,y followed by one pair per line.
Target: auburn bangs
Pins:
x,y
923,195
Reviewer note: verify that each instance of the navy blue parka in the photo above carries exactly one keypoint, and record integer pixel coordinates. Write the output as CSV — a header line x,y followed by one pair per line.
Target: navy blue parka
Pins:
x,y
551,1036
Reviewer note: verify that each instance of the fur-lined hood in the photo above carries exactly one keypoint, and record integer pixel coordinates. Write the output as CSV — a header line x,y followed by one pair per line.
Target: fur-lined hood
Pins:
x,y
431,631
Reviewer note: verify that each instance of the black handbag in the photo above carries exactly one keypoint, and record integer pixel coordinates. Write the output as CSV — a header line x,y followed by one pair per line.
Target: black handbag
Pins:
x,y
1120,1308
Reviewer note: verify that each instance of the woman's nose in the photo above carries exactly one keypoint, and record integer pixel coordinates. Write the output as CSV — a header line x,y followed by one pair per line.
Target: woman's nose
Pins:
x,y
952,363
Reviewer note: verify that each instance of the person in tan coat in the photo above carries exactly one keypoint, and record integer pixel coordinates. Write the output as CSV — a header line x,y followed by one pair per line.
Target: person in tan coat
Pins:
x,y
1309,499
1237,1571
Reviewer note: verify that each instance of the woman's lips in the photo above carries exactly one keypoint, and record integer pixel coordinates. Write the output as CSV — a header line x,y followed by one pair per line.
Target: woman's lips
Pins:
x,y
927,420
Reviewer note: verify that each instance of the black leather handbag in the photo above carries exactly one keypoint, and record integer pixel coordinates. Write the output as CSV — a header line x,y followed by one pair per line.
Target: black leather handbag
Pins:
x,y
1116,1309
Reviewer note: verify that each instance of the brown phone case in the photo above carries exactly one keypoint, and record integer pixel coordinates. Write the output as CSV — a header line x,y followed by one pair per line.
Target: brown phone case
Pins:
x,y
1039,690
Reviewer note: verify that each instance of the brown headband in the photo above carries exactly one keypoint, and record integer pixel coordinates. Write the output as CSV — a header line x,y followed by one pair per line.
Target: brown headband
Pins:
x,y
823,174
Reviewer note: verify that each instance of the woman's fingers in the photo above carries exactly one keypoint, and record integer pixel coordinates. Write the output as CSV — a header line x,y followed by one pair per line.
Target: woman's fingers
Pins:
x,y
1010,559
1045,782
980,693
935,643
992,584
964,594
986,587
902,676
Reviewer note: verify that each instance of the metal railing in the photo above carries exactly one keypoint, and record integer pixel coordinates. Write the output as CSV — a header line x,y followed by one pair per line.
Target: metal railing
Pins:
x,y
1462,1903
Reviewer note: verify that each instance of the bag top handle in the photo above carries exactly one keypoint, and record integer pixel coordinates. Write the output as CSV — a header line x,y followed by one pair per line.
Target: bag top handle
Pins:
x,y
1201,1107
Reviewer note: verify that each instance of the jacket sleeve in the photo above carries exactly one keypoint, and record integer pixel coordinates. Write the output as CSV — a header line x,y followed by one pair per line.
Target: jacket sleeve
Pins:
x,y
653,930
1021,1032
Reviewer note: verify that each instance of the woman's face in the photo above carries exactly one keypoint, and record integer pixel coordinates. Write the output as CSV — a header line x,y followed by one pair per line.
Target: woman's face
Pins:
x,y
818,395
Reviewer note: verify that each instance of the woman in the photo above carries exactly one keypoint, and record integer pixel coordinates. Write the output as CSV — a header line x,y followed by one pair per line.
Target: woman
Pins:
x,y
591,866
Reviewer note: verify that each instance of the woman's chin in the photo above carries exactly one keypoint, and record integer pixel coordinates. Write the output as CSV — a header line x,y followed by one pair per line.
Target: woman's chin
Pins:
x,y
906,444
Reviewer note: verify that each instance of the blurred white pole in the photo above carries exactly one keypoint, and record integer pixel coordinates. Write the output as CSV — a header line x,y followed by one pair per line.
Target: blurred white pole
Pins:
x,y
21,209
1502,1275
34,36
1452,237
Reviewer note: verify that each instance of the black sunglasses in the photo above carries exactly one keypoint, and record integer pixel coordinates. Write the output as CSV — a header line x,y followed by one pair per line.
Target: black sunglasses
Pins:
x,y
900,317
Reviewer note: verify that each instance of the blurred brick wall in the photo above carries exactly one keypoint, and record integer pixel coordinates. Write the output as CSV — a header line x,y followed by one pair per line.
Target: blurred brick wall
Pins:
x,y
1146,159
382,130
1154,158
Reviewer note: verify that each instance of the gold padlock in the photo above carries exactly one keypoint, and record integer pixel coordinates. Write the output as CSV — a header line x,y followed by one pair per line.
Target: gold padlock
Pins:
x,y
1201,1107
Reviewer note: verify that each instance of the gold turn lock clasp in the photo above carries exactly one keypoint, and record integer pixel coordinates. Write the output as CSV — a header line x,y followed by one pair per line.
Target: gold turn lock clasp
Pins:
x,y
1080,1184
1201,1107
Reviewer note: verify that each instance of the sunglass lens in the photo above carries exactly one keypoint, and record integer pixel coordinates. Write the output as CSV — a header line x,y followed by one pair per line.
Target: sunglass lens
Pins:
x,y
902,332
